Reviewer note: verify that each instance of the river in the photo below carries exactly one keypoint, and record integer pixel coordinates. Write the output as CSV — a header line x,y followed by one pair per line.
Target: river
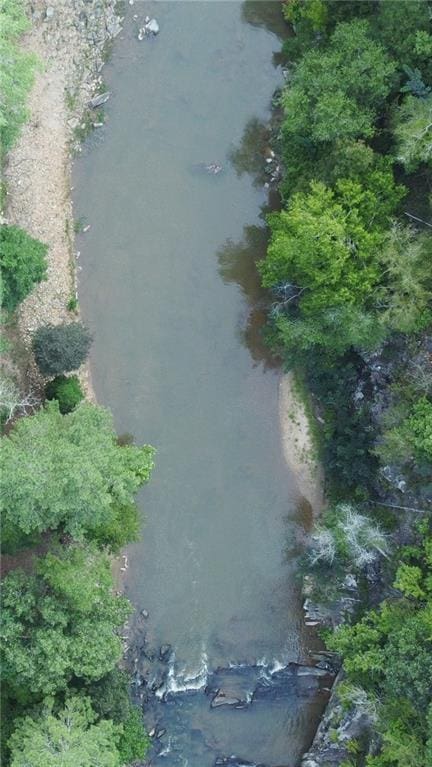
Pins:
x,y
168,286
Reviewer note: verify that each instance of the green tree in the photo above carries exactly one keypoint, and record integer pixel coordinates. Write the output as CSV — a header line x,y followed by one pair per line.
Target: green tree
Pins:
x,y
404,299
335,93
67,391
16,72
110,699
402,29
68,471
411,438
22,265
60,623
71,738
323,250
323,263
413,132
61,348
134,741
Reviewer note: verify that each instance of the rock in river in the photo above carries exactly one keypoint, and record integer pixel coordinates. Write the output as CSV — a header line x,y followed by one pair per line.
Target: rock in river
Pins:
x,y
223,698
152,26
98,100
165,652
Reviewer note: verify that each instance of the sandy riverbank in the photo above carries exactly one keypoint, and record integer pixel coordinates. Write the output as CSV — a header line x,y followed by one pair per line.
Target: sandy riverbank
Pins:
x,y
298,446
69,37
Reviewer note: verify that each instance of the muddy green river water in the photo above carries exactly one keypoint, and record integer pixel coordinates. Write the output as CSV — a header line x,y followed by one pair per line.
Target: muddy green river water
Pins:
x,y
168,286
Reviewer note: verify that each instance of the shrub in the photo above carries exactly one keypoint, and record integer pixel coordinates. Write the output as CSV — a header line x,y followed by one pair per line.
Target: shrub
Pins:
x,y
133,742
67,391
61,348
22,264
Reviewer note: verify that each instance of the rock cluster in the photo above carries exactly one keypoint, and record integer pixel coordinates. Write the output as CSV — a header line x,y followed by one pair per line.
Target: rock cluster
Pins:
x,y
340,725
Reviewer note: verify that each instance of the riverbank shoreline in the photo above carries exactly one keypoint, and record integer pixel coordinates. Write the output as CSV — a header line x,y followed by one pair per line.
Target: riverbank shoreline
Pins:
x,y
297,444
69,37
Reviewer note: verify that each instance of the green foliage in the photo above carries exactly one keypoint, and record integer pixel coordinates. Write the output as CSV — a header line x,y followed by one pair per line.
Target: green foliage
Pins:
x,y
408,580
110,696
16,72
419,425
134,741
70,738
121,528
348,433
335,93
61,348
319,247
348,278
411,439
413,132
405,295
403,28
324,255
67,392
389,652
72,304
22,265
313,11
403,739
68,471
60,623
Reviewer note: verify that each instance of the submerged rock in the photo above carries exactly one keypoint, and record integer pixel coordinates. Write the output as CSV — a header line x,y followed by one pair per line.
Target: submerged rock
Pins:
x,y
234,761
227,698
165,652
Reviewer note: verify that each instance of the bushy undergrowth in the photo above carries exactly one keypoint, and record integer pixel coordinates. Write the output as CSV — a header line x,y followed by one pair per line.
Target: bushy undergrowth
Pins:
x,y
66,390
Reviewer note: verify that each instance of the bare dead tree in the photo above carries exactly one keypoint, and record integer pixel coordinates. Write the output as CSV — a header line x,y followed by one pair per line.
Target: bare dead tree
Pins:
x,y
13,402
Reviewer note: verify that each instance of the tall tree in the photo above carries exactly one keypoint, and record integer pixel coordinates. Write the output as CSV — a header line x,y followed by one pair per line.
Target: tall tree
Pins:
x,y
68,471
335,93
60,623
71,738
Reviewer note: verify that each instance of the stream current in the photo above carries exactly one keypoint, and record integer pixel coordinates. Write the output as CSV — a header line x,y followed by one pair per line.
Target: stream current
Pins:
x,y
169,288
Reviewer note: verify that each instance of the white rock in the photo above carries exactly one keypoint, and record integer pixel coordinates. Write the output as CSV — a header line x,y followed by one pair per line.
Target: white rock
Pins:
x,y
152,26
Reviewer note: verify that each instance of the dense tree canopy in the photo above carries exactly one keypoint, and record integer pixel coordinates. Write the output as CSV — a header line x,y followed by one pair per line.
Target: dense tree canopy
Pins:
x,y
71,738
60,623
413,132
68,471
334,93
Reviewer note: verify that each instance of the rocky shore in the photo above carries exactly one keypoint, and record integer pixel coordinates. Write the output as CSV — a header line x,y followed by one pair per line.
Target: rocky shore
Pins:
x,y
70,39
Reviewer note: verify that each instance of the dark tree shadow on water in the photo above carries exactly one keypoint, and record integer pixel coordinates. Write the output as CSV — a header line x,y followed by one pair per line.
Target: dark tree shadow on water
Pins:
x,y
238,264
249,156
265,13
